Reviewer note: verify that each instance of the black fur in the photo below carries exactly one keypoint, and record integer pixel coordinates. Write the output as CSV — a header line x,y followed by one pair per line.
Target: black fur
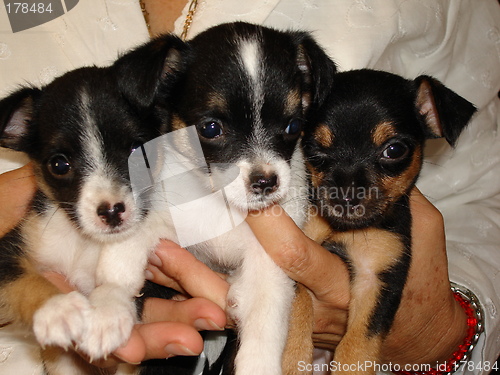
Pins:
x,y
216,71
51,120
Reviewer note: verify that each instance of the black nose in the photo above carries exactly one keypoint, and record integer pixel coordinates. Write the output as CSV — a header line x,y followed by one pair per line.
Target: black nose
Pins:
x,y
262,183
112,216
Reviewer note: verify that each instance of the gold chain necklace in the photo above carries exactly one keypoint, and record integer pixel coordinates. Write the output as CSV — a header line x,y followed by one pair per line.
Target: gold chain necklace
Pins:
x,y
189,18
187,22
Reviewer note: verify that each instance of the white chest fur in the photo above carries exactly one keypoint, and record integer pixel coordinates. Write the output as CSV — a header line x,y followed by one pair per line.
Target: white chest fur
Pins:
x,y
58,246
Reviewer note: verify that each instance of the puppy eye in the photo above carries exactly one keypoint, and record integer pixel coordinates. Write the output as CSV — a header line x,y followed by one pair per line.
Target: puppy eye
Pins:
x,y
395,151
211,130
59,165
294,127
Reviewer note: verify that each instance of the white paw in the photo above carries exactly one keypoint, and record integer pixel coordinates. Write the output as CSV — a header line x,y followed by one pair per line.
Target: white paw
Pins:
x,y
109,327
62,320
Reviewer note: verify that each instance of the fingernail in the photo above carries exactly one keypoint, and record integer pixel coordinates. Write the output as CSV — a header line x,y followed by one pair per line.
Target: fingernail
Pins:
x,y
206,325
148,275
125,361
155,260
178,349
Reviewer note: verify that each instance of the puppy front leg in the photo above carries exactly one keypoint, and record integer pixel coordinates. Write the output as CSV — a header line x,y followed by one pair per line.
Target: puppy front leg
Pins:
x,y
120,276
57,319
359,349
299,345
21,298
259,299
34,302
379,263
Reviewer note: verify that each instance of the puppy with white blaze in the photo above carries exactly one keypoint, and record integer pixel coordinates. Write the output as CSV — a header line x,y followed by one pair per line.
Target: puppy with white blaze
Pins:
x,y
248,91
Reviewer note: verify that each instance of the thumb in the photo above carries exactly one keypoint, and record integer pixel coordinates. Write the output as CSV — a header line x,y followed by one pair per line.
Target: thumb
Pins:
x,y
301,258
16,190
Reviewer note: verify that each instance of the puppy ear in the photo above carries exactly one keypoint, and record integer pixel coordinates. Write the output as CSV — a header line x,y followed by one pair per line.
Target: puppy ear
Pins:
x,y
16,114
445,112
317,69
141,71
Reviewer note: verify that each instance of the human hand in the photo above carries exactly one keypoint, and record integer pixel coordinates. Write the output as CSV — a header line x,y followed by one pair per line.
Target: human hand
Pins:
x,y
429,324
177,268
16,190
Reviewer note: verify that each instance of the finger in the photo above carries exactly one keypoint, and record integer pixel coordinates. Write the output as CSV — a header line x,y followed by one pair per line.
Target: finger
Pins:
x,y
194,277
425,216
428,235
197,312
157,276
301,258
160,340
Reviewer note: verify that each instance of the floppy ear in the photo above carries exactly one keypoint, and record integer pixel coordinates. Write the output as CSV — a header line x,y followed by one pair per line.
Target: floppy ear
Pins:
x,y
16,114
317,69
141,71
445,112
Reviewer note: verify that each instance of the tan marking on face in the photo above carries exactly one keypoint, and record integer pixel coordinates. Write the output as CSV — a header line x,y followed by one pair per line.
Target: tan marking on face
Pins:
x,y
177,123
293,101
324,136
383,132
396,187
316,176
217,102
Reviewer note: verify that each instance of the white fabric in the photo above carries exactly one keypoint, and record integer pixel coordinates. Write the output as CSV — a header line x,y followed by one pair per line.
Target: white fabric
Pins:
x,y
457,41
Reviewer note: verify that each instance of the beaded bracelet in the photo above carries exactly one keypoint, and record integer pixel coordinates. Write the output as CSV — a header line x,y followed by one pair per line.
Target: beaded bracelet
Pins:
x,y
475,327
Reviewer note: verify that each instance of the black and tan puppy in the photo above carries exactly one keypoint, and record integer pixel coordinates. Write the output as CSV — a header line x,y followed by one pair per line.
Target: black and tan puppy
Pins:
x,y
364,154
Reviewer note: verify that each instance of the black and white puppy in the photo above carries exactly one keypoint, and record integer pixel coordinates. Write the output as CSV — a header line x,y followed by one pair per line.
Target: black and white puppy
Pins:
x,y
247,91
79,132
